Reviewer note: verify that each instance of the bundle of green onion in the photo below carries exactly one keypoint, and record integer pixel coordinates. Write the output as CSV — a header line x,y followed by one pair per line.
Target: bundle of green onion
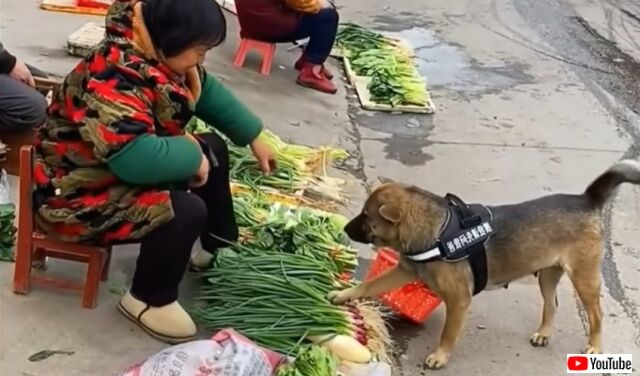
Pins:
x,y
279,301
301,231
300,168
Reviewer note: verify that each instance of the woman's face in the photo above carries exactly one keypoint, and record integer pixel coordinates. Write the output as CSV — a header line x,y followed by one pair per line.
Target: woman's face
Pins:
x,y
187,59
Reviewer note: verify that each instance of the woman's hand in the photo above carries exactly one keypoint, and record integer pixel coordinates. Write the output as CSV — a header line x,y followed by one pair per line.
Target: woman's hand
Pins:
x,y
264,155
21,73
203,173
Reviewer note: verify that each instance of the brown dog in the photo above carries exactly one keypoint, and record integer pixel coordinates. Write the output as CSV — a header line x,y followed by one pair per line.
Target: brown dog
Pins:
x,y
548,236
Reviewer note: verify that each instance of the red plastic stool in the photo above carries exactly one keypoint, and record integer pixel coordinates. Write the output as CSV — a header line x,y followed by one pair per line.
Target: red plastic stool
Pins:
x,y
266,49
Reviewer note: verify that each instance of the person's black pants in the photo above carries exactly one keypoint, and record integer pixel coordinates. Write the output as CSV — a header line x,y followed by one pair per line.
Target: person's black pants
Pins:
x,y
321,29
165,252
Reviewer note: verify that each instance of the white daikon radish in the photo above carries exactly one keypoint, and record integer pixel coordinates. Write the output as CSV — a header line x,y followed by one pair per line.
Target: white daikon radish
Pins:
x,y
344,347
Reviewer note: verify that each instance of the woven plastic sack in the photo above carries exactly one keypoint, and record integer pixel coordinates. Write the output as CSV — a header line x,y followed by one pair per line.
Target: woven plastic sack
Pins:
x,y
370,369
5,189
226,354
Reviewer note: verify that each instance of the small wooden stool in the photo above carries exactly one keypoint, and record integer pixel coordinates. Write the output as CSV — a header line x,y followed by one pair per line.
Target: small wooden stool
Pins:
x,y
34,246
267,51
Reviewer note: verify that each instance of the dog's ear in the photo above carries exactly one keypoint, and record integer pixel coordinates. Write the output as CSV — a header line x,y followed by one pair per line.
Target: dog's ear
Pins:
x,y
384,180
390,212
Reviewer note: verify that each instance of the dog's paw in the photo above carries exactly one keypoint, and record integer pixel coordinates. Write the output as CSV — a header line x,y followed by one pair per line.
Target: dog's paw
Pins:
x,y
339,297
436,360
539,340
590,349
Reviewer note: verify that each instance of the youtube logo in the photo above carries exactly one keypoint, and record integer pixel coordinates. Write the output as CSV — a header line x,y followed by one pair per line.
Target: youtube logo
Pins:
x,y
577,363
600,363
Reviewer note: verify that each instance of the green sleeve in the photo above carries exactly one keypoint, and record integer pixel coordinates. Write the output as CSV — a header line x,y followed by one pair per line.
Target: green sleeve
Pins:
x,y
220,108
150,159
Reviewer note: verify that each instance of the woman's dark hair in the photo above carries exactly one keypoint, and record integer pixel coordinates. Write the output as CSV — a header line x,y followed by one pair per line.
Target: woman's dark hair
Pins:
x,y
177,25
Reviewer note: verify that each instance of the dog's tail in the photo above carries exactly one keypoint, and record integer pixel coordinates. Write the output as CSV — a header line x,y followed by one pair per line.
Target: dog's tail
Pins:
x,y
625,171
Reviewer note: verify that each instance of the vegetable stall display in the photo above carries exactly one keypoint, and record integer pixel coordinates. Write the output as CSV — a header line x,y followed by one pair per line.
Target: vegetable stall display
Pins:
x,y
272,285
394,78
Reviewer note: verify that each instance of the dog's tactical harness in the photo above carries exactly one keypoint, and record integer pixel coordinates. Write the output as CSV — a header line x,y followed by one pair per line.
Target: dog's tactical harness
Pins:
x,y
463,235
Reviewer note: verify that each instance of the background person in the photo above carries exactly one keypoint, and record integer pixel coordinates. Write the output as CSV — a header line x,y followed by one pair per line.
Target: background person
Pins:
x,y
21,106
280,21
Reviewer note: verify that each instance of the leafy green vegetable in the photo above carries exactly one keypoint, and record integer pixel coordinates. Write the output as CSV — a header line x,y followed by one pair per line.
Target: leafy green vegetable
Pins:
x,y
311,361
316,361
7,232
394,77
198,126
302,231
354,38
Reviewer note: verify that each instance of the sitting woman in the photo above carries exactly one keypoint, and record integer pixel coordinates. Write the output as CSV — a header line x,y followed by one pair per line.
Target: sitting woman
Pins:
x,y
281,21
114,165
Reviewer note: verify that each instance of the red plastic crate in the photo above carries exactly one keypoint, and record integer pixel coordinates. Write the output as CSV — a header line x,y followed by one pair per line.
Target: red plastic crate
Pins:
x,y
414,300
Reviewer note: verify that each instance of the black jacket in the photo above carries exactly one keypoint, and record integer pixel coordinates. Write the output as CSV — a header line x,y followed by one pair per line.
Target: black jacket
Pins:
x,y
7,61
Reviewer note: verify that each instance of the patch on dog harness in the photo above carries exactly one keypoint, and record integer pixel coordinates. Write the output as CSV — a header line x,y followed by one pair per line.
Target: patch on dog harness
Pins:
x,y
462,236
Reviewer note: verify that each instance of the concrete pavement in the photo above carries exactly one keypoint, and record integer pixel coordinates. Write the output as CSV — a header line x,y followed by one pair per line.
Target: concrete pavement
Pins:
x,y
519,115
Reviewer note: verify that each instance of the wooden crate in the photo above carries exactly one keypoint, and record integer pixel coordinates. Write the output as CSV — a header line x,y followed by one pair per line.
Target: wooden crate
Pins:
x,y
84,39
70,6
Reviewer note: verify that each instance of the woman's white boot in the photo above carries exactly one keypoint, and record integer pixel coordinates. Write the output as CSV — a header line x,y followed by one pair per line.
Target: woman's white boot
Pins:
x,y
200,260
169,323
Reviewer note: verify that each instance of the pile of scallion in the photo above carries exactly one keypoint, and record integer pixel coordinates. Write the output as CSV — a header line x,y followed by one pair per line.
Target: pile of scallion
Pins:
x,y
352,38
301,169
394,78
279,301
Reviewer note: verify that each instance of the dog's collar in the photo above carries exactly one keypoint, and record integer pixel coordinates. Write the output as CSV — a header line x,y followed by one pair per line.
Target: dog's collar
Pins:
x,y
465,227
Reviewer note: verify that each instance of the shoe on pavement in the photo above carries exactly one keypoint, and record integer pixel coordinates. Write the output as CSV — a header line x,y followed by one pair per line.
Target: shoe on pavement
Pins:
x,y
200,260
309,78
169,323
300,63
